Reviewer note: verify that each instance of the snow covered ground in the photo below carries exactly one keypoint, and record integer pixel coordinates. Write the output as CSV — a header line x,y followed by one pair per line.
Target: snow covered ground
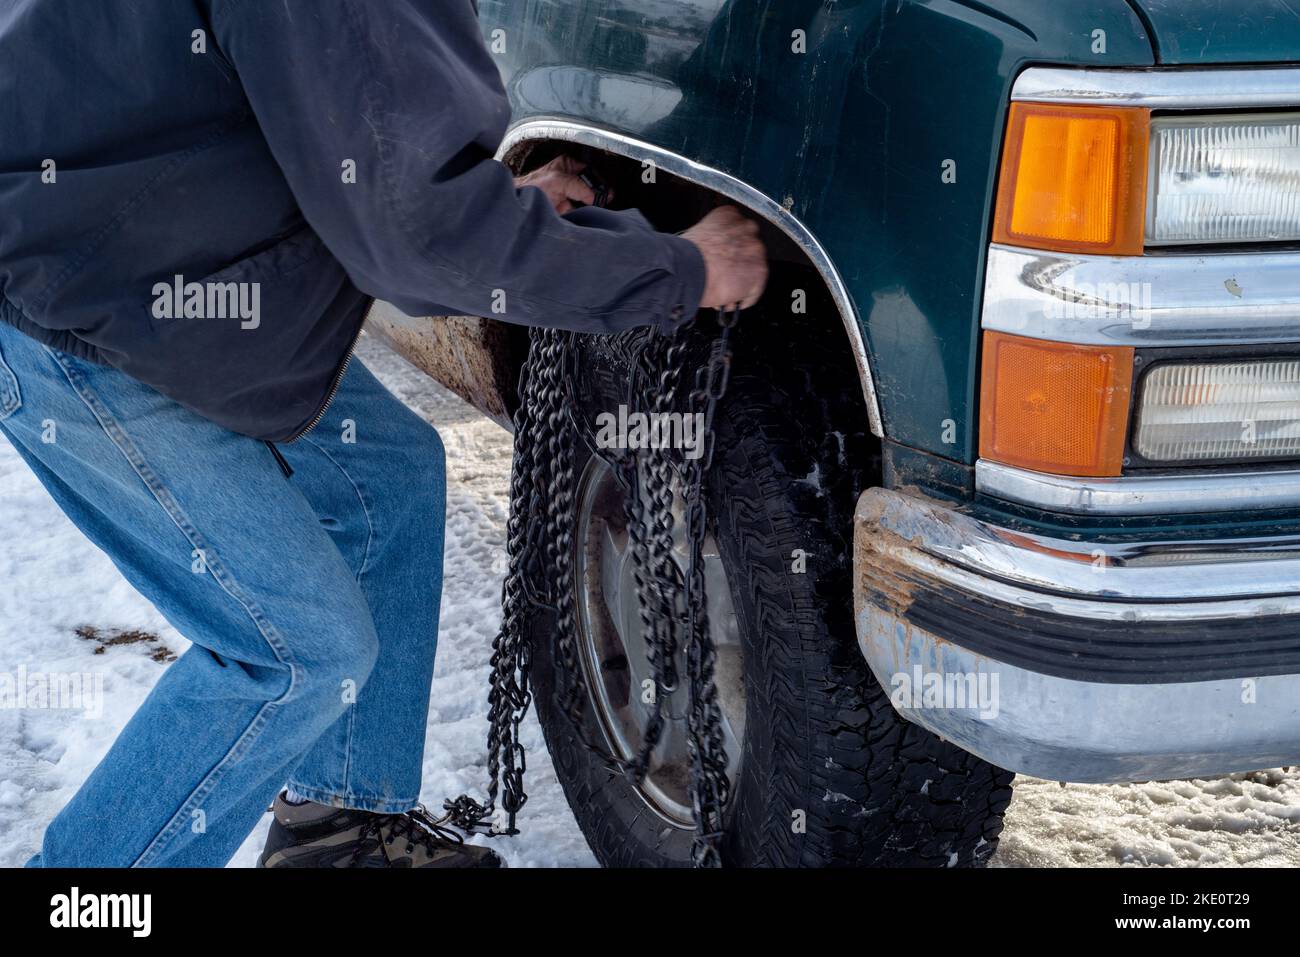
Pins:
x,y
64,608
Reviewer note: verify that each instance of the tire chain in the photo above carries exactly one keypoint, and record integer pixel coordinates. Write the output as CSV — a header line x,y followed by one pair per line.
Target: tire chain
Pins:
x,y
539,543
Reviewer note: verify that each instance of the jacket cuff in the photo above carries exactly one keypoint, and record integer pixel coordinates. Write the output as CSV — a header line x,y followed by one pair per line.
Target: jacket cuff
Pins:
x,y
691,273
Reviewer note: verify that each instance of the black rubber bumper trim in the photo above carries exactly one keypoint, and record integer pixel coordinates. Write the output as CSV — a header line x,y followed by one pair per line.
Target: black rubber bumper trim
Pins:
x,y
1103,652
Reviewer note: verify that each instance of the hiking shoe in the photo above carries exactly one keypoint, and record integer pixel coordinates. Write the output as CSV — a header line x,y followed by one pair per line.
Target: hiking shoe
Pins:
x,y
315,835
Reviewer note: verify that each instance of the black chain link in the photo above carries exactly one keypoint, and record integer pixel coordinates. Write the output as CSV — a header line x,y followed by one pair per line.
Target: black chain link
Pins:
x,y
672,609
709,783
647,506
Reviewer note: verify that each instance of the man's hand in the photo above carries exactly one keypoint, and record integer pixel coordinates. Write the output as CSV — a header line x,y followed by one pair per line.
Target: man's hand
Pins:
x,y
560,180
734,255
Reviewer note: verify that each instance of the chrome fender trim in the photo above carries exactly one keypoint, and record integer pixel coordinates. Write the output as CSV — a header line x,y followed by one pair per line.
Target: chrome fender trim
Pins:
x,y
1163,88
1144,301
734,189
1140,494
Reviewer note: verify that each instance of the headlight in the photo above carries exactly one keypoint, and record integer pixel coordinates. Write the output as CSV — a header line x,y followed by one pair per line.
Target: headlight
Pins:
x,y
1221,179
1229,410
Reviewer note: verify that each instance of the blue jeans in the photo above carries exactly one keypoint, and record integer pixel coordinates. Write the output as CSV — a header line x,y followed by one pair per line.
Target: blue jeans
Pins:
x,y
312,602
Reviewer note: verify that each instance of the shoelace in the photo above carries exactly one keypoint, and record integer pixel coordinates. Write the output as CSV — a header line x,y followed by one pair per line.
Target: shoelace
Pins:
x,y
416,825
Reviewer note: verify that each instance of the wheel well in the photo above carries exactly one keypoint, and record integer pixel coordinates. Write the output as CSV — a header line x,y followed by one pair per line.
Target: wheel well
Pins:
x,y
673,202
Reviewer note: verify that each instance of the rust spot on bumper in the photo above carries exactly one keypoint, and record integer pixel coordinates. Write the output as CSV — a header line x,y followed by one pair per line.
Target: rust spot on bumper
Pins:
x,y
467,354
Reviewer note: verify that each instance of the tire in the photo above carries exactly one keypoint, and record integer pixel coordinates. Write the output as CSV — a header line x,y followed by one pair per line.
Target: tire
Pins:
x,y
822,746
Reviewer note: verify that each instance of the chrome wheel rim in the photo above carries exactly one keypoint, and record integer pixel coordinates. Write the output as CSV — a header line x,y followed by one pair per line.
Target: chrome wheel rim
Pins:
x,y
613,654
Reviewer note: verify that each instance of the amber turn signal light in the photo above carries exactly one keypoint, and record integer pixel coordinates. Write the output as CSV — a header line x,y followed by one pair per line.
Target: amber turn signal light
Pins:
x,y
1074,179
1053,406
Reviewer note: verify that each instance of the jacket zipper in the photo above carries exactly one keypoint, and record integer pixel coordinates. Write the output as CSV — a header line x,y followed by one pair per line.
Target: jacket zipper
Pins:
x,y
334,386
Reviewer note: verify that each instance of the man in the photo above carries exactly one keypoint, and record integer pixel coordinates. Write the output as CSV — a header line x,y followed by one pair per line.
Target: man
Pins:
x,y
200,199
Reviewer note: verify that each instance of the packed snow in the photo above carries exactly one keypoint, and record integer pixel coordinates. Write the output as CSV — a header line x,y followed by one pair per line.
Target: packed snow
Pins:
x,y
64,608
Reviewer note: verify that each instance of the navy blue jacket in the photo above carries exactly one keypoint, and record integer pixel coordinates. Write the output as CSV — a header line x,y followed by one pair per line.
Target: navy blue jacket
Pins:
x,y
134,150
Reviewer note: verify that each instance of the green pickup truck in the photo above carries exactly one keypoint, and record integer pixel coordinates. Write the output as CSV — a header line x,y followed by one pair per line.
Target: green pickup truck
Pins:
x,y
1007,479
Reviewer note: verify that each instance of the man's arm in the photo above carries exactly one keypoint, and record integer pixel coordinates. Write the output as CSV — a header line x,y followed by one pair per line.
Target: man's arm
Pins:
x,y
408,92
734,254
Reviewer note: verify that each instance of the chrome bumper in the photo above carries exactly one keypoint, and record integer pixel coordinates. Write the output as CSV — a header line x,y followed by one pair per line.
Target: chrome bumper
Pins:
x,y
1078,662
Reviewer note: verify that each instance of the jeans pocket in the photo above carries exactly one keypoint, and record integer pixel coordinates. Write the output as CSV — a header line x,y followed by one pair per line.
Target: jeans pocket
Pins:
x,y
10,398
